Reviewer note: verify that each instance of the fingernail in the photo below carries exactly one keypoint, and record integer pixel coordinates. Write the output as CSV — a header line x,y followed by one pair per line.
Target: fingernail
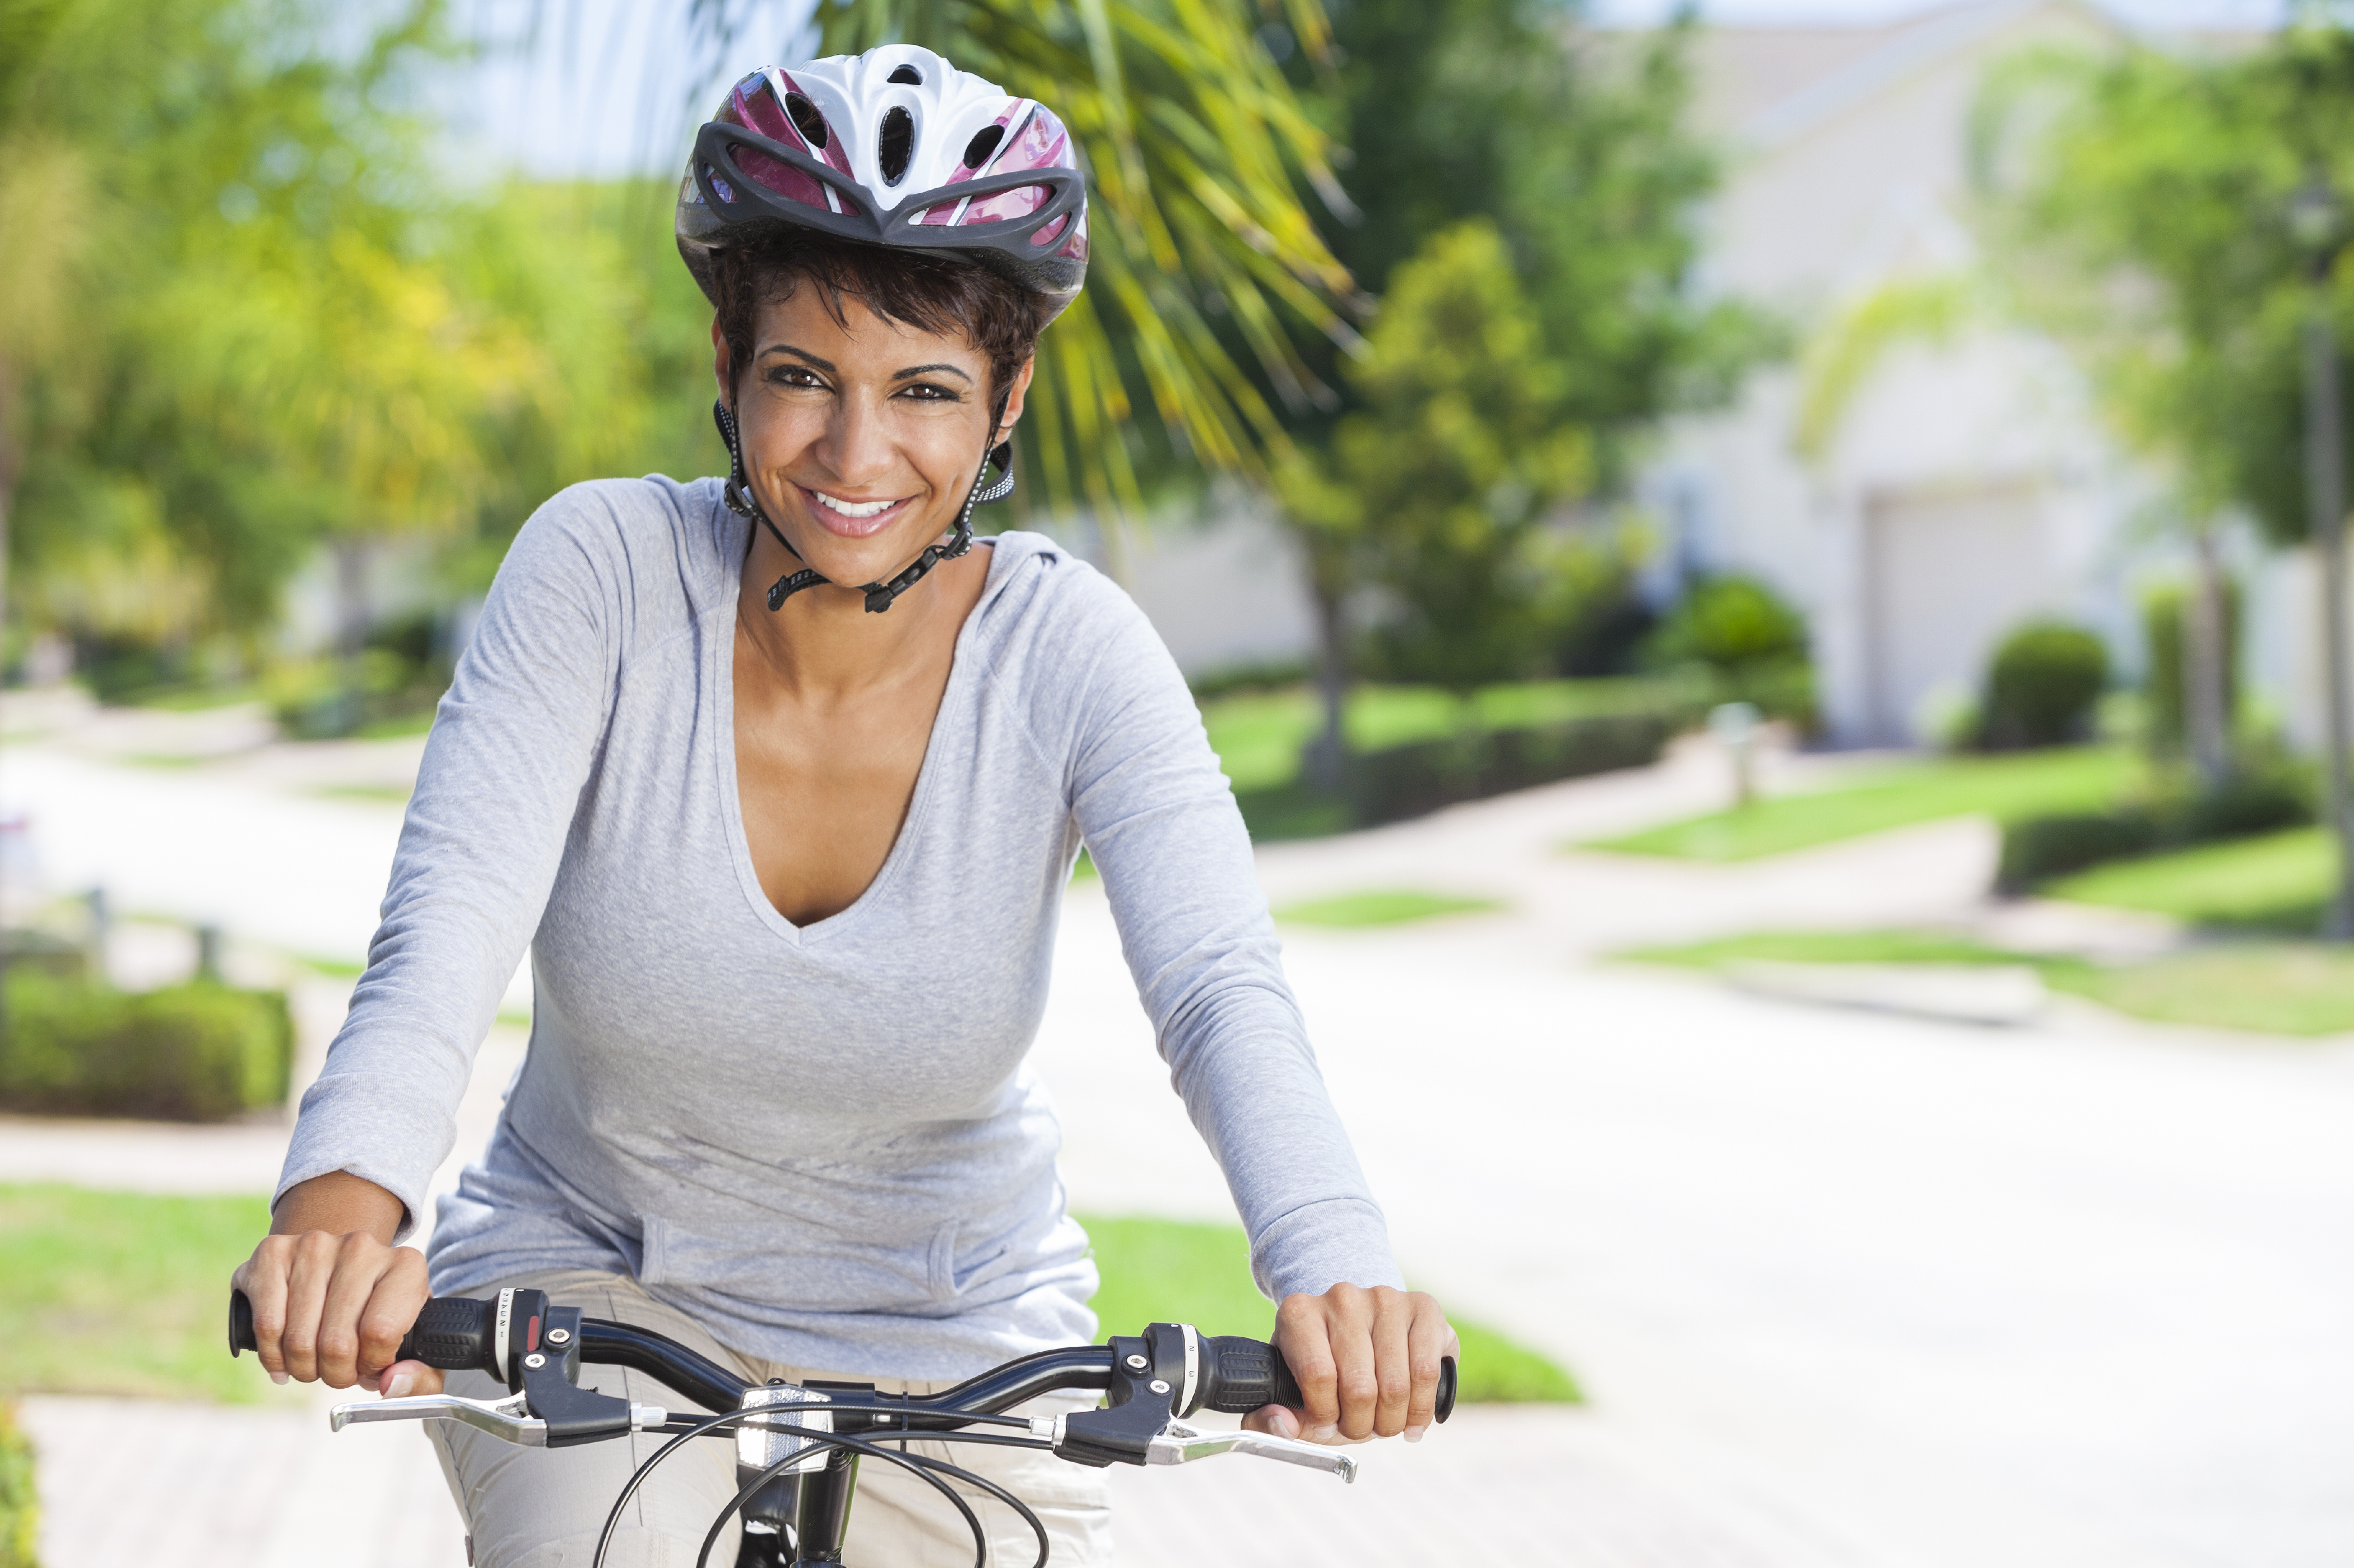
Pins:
x,y
399,1386
1413,1434
280,1378
1324,1434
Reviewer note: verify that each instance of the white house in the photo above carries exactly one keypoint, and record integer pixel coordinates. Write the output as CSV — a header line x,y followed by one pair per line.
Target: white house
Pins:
x,y
1955,481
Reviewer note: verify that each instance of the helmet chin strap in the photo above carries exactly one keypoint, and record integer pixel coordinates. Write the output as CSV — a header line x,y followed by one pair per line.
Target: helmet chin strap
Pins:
x,y
880,596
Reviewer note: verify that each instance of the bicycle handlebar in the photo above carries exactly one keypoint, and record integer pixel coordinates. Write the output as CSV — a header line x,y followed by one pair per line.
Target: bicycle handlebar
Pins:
x,y
535,1348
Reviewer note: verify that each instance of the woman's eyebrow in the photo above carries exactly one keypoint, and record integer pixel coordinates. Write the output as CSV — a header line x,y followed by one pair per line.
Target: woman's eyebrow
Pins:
x,y
802,354
928,369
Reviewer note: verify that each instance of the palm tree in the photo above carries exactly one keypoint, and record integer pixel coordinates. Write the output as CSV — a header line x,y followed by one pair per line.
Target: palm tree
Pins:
x,y
1206,268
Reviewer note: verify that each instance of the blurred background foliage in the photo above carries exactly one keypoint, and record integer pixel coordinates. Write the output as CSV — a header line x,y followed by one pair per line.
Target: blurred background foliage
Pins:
x,y
1421,272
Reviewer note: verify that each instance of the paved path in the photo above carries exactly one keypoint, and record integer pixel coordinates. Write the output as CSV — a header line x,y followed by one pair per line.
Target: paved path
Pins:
x,y
1849,1289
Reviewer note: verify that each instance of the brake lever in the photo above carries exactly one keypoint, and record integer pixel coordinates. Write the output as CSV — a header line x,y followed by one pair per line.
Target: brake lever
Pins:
x,y
508,1418
1178,1443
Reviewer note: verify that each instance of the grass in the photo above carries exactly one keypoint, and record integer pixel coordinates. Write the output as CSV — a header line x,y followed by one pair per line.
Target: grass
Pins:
x,y
396,794
1165,1271
2276,881
1258,734
2299,989
2076,779
1391,907
123,1294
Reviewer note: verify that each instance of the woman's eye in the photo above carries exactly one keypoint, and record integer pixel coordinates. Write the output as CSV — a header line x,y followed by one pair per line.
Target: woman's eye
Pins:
x,y
928,392
794,375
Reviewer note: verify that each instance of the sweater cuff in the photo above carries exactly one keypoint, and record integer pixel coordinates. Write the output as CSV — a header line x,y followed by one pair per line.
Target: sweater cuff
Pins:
x,y
1339,1241
374,1128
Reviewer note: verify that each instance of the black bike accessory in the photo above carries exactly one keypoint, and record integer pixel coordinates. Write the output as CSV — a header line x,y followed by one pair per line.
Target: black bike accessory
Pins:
x,y
549,1363
1240,1376
1148,1381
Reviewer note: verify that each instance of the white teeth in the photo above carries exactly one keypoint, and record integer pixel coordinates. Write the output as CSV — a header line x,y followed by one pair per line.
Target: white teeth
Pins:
x,y
853,509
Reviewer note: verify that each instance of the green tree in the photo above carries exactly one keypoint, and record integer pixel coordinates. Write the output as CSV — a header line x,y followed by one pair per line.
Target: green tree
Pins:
x,y
2144,198
1460,446
1572,146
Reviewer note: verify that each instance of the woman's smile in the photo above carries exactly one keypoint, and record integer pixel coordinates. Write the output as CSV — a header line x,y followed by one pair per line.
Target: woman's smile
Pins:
x,y
854,519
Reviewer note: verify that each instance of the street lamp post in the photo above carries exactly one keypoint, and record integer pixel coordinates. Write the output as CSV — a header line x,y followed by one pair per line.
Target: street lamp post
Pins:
x,y
2320,227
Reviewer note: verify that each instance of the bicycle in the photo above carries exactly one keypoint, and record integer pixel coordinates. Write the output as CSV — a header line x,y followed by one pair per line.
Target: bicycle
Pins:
x,y
798,1446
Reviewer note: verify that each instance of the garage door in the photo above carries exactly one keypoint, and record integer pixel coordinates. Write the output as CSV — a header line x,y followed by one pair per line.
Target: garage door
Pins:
x,y
1948,574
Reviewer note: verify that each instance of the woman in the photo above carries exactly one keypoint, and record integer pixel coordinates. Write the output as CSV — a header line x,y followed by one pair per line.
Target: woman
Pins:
x,y
787,854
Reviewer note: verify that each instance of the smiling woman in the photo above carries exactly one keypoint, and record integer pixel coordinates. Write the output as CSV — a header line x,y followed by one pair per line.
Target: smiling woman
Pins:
x,y
788,869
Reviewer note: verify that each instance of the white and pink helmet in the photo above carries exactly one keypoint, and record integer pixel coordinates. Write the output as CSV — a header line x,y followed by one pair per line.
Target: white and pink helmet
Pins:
x,y
895,147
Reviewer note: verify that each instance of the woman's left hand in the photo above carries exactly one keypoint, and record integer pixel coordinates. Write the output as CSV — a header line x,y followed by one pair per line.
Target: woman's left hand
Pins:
x,y
1367,1361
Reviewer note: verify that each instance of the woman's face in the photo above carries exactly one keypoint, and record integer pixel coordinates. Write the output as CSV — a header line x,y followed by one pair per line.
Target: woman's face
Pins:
x,y
862,438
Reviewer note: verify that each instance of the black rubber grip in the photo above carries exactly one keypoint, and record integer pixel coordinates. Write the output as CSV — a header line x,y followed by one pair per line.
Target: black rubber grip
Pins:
x,y
456,1333
1239,1375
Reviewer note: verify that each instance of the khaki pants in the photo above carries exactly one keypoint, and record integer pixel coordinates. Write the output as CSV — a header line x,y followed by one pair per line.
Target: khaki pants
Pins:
x,y
542,1508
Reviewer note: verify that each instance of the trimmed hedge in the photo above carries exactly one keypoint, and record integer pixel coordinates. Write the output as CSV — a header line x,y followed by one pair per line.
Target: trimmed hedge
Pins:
x,y
2041,687
1402,781
20,1508
2038,849
198,1052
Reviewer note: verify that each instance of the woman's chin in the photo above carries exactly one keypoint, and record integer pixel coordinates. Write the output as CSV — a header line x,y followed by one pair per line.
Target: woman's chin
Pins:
x,y
854,560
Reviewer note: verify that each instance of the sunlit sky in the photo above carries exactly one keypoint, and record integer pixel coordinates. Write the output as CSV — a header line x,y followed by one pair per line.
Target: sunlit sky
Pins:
x,y
606,86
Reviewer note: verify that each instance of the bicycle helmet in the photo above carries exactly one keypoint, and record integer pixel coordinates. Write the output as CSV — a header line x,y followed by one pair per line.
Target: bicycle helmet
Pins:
x,y
898,148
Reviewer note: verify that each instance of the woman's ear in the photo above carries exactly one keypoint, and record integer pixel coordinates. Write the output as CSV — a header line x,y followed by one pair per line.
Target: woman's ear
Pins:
x,y
723,369
1013,399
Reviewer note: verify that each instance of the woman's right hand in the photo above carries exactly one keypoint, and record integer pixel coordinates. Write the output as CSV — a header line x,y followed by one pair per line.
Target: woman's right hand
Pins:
x,y
332,1296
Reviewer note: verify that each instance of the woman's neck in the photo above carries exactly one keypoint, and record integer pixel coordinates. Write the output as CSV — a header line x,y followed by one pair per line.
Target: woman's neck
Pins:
x,y
825,644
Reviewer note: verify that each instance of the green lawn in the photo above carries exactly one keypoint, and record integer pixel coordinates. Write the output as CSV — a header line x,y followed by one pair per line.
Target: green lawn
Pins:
x,y
2078,779
123,1294
2278,882
117,1293
1391,907
1162,1271
2274,988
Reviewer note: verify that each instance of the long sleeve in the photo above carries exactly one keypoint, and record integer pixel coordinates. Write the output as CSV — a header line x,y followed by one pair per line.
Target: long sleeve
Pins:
x,y
1160,818
512,744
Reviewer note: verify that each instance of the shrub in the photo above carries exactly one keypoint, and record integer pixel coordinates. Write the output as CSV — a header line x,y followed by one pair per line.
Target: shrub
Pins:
x,y
2038,849
20,1508
1401,781
1748,637
2042,685
198,1052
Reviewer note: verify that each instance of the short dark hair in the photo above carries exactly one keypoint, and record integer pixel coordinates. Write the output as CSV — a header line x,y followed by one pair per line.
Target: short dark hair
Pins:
x,y
931,293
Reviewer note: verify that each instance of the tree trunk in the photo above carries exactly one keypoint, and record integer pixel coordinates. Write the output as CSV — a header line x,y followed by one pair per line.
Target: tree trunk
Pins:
x,y
2325,498
1328,753
351,632
2207,665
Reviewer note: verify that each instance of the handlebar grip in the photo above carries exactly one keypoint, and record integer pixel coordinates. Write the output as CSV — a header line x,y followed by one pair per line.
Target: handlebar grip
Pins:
x,y
1239,1375
456,1333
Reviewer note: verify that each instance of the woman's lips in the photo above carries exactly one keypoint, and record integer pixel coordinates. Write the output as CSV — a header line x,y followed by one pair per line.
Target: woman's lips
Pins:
x,y
847,526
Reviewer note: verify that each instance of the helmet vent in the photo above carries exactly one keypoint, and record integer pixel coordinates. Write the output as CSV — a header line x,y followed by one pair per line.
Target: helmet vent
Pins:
x,y
984,142
806,120
896,146
907,74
